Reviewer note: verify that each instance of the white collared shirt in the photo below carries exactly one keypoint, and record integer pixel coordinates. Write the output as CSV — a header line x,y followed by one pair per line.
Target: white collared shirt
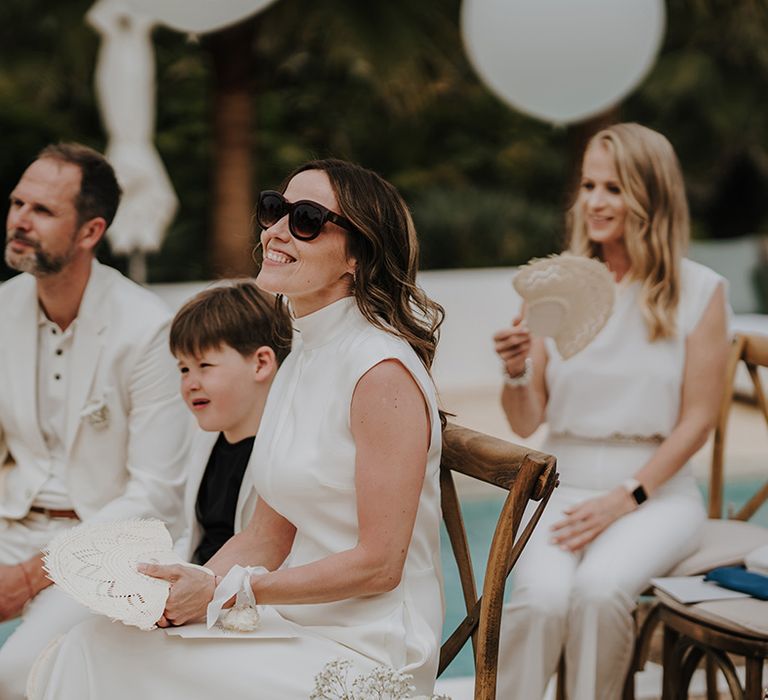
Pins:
x,y
54,354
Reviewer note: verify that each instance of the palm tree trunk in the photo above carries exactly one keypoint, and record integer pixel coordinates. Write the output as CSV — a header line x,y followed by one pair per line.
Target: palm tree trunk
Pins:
x,y
231,242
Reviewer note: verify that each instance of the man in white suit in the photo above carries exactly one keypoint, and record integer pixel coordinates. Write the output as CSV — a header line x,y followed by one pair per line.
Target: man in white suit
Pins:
x,y
91,424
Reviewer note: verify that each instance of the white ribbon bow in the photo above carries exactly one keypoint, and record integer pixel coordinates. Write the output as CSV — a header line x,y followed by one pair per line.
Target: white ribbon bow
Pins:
x,y
236,582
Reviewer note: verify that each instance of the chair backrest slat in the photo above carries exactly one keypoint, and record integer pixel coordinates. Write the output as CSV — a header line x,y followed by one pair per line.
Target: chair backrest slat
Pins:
x,y
752,350
457,535
526,475
758,386
753,504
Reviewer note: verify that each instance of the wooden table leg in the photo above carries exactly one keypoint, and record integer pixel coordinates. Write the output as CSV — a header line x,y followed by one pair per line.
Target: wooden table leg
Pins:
x,y
711,675
671,671
754,681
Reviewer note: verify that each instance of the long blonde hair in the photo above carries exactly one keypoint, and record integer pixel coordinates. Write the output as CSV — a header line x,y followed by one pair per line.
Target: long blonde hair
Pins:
x,y
657,227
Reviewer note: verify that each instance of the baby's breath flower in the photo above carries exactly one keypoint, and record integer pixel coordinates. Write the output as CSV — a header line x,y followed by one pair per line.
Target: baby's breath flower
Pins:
x,y
382,683
331,682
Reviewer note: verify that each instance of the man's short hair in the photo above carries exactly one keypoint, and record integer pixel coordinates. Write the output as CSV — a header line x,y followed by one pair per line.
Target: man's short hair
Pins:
x,y
99,193
236,313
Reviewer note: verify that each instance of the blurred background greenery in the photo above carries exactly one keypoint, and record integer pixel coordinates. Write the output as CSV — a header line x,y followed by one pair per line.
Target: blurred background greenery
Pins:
x,y
388,84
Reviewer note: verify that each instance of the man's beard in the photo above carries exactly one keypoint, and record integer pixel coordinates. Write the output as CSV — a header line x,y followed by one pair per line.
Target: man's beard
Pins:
x,y
39,263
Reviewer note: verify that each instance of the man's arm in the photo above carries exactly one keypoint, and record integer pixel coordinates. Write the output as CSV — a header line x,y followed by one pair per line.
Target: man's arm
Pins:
x,y
20,583
158,439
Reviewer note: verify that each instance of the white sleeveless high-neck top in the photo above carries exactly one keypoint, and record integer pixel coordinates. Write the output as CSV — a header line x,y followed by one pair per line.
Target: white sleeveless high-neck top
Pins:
x,y
304,467
622,384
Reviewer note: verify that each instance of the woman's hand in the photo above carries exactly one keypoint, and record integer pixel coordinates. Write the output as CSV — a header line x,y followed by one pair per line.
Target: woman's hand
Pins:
x,y
191,591
512,345
587,520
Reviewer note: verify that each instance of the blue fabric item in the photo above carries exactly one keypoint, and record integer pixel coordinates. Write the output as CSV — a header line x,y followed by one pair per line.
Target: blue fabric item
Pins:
x,y
737,578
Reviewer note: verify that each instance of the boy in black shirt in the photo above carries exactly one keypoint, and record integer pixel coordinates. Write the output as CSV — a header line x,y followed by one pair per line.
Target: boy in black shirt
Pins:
x,y
229,341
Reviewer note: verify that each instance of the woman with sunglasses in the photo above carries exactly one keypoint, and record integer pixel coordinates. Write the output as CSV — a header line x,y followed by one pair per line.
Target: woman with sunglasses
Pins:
x,y
345,466
624,415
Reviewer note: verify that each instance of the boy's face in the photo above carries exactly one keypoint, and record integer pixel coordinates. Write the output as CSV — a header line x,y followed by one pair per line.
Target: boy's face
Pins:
x,y
221,390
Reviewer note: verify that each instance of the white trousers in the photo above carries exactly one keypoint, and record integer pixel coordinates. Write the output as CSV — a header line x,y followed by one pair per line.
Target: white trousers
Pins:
x,y
581,603
48,615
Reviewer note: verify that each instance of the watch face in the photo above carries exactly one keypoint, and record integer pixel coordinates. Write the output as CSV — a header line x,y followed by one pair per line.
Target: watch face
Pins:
x,y
640,495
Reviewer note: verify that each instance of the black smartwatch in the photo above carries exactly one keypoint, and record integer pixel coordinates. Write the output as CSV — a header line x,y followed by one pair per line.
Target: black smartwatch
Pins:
x,y
636,490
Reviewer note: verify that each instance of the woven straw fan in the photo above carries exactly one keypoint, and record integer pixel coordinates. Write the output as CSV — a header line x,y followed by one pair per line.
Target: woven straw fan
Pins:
x,y
568,298
96,563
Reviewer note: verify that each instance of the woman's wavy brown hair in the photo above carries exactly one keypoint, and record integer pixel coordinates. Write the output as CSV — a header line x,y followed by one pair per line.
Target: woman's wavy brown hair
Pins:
x,y
387,253
657,226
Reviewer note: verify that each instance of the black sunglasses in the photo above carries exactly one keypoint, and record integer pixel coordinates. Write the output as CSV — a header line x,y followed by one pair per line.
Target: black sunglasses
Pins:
x,y
305,217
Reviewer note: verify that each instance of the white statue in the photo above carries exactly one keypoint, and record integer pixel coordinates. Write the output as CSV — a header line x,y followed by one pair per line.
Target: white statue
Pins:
x,y
125,84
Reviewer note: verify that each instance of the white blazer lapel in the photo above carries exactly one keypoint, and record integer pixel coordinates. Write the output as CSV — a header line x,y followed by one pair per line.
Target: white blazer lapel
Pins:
x,y
86,350
87,346
21,359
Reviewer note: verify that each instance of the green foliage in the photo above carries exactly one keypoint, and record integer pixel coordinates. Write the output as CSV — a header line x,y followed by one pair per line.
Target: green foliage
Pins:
x,y
483,228
388,84
706,93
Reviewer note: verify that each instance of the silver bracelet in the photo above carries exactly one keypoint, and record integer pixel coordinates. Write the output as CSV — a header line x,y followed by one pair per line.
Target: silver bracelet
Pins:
x,y
522,379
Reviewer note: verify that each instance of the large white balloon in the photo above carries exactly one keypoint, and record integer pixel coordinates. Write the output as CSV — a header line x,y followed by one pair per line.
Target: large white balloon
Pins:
x,y
562,60
198,16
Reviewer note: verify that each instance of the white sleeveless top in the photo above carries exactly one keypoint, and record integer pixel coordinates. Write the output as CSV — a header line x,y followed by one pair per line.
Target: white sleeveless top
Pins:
x,y
304,467
622,384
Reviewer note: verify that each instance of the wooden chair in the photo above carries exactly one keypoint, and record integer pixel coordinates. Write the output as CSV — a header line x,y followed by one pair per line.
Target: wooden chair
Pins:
x,y
526,475
694,632
691,634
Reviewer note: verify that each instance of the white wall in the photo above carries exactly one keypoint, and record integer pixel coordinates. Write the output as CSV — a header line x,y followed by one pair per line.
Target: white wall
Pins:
x,y
477,303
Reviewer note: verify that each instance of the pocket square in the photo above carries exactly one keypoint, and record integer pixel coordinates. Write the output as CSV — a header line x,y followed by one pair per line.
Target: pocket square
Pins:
x,y
96,413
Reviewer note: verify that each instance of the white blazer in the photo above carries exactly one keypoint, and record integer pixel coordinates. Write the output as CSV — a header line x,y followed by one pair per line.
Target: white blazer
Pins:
x,y
202,445
127,427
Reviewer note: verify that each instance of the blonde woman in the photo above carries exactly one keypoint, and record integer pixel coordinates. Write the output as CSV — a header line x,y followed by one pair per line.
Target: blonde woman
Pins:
x,y
625,415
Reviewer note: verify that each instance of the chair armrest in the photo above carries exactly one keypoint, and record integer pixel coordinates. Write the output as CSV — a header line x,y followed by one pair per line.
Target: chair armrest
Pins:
x,y
470,452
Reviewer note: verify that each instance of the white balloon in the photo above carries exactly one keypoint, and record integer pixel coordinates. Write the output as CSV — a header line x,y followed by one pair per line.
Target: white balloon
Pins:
x,y
198,16
562,60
